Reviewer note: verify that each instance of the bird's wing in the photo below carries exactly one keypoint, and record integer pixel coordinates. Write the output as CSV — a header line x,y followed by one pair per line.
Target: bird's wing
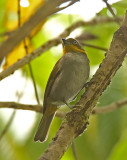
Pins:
x,y
53,76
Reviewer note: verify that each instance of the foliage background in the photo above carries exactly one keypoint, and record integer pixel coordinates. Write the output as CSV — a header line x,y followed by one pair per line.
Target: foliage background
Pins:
x,y
106,136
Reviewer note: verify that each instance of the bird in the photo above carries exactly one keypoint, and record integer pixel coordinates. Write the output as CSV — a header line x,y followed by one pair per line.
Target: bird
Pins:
x,y
66,80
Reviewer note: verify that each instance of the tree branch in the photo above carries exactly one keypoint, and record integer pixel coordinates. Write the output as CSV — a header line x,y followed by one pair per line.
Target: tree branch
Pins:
x,y
93,46
62,114
54,42
15,105
50,7
76,121
109,108
111,11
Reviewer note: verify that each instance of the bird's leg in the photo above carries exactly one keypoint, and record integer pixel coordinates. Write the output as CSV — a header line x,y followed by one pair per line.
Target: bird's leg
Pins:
x,y
71,107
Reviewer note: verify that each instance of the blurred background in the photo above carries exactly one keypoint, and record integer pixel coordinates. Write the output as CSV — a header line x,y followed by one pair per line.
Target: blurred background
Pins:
x,y
106,136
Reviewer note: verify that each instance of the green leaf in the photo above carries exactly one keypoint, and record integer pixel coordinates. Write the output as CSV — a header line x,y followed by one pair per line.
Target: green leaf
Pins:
x,y
119,8
119,152
104,32
2,17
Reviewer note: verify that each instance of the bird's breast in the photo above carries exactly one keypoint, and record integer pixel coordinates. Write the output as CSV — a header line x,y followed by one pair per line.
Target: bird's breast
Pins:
x,y
73,75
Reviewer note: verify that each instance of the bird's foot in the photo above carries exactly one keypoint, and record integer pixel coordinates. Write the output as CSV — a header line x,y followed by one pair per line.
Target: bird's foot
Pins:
x,y
73,106
86,84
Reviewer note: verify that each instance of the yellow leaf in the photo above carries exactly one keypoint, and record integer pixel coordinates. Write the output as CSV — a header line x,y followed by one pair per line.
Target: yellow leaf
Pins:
x,y
25,12
18,53
11,23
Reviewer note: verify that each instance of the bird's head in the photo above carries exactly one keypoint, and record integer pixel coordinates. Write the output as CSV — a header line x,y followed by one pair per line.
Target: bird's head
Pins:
x,y
71,45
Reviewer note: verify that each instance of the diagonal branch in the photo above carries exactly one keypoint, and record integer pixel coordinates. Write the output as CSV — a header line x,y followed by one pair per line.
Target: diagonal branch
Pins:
x,y
76,121
109,8
54,42
50,7
111,11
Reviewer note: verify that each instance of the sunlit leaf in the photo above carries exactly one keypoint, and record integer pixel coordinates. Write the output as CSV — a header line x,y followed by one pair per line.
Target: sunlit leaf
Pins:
x,y
12,23
18,53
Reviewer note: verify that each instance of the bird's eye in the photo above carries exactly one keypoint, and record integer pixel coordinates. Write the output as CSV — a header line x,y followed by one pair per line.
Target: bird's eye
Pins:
x,y
75,42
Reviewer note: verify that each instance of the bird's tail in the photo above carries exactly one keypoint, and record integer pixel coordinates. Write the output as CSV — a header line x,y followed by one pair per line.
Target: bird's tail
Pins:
x,y
43,129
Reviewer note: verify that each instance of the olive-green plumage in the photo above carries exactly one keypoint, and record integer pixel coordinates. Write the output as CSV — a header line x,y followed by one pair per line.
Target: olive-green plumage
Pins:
x,y
67,79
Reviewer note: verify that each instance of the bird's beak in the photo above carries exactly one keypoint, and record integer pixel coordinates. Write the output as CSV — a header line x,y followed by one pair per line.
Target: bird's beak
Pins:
x,y
64,40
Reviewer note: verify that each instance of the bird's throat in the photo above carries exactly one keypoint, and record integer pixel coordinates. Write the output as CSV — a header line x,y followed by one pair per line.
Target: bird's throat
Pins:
x,y
72,49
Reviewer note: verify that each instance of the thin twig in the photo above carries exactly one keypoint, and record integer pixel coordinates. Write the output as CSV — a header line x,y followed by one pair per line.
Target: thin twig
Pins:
x,y
19,14
34,84
111,11
15,105
54,42
38,108
109,108
26,50
93,46
31,74
87,36
109,8
8,125
14,112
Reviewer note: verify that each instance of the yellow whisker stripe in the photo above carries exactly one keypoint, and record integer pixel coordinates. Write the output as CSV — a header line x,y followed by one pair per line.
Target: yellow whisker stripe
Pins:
x,y
78,49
